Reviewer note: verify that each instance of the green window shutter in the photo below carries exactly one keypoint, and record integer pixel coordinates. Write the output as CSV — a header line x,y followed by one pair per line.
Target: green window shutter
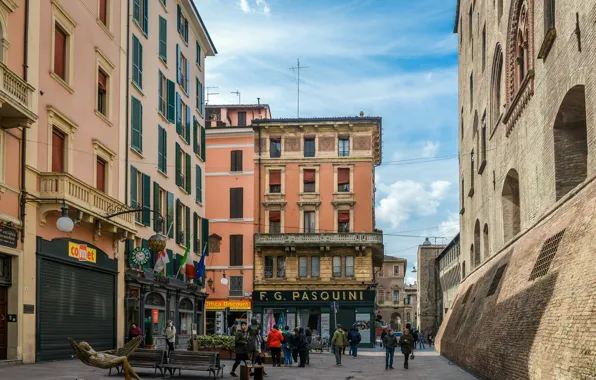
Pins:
x,y
160,92
178,221
136,123
137,62
195,231
170,226
186,31
178,114
163,39
178,167
199,184
197,89
195,133
205,236
129,246
146,200
198,55
136,11
187,227
140,65
186,76
170,264
134,188
188,125
202,99
188,174
179,20
203,146
178,70
145,17
171,101
157,222
147,265
162,149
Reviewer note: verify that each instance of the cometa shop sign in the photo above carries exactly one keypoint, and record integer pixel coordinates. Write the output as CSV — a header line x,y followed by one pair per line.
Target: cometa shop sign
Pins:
x,y
314,295
81,252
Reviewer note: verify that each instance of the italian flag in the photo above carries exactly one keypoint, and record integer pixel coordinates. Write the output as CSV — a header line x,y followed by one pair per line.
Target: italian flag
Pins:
x,y
187,267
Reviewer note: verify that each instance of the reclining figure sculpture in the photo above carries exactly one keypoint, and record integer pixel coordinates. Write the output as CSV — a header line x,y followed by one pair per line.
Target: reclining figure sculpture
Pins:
x,y
108,359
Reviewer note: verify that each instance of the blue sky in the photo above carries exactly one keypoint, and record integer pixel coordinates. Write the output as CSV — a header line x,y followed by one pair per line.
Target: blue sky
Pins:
x,y
391,58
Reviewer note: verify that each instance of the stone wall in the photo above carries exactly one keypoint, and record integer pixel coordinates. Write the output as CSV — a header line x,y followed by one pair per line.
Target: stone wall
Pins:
x,y
428,288
531,328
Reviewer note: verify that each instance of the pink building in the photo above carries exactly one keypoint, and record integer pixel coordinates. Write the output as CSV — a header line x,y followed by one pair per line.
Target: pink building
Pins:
x,y
230,189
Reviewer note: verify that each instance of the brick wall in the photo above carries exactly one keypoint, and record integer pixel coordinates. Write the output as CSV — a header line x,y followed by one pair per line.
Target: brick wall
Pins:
x,y
428,288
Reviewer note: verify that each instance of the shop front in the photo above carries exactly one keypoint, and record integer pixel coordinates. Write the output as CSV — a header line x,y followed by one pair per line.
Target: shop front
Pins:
x,y
76,297
319,310
223,314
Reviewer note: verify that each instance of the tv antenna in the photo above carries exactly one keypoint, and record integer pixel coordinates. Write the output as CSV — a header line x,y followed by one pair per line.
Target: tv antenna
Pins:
x,y
211,93
296,69
237,94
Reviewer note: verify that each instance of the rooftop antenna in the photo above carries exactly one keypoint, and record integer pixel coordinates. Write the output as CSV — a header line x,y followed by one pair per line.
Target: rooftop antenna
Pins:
x,y
237,94
211,93
296,69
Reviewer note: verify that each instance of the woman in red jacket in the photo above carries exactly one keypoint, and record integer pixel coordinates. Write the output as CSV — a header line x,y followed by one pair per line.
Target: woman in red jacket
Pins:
x,y
274,339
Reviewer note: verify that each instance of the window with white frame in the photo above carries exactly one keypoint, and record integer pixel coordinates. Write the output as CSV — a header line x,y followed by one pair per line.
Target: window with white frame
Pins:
x,y
336,266
349,272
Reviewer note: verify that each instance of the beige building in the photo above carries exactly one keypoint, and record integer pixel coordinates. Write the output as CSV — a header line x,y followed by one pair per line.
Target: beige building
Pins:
x,y
527,101
428,288
165,157
316,241
392,300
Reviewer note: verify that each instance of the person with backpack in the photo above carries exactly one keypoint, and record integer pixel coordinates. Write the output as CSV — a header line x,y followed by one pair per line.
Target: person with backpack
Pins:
x,y
406,342
287,346
354,338
338,342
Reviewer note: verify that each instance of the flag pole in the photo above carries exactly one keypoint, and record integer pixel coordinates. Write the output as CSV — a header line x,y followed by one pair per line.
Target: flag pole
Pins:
x,y
169,229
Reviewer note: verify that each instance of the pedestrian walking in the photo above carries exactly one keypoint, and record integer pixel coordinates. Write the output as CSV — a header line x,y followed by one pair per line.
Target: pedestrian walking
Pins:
x,y
414,335
354,338
134,332
274,341
383,334
343,351
430,339
302,347
259,358
389,342
287,347
406,341
295,343
308,334
338,342
421,340
240,342
170,334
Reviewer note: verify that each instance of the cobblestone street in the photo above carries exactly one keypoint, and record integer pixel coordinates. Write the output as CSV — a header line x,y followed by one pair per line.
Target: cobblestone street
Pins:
x,y
427,365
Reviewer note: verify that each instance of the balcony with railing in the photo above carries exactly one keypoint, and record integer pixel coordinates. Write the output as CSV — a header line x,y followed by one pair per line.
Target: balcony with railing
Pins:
x,y
16,100
92,203
319,239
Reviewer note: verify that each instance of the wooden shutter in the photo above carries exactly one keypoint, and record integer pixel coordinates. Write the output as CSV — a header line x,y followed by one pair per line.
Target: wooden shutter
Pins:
x,y
239,160
188,126
187,227
134,187
60,52
179,18
178,221
188,174
275,177
162,149
178,68
169,265
145,17
57,151
103,11
136,10
236,202
171,95
343,216
195,134
205,236
236,250
198,58
195,231
199,184
157,223
203,142
102,81
163,39
136,124
101,175
179,114
146,200
343,176
170,217
309,176
178,167
274,216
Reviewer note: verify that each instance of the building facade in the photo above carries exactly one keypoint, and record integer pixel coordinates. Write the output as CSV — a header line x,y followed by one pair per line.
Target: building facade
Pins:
x,y
392,301
527,91
427,314
449,269
165,156
316,242
411,313
230,189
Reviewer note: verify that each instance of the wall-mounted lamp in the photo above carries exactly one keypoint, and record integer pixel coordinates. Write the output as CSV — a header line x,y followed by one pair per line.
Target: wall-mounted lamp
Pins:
x,y
224,281
64,223
210,285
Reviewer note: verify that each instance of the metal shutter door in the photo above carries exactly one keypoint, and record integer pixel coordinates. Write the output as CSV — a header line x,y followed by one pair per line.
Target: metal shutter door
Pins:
x,y
73,302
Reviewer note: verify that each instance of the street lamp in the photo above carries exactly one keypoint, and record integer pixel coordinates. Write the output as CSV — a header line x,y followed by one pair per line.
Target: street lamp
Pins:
x,y
224,281
414,269
64,223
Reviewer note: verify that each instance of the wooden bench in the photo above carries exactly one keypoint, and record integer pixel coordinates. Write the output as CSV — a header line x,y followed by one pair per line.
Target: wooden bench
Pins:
x,y
142,358
195,361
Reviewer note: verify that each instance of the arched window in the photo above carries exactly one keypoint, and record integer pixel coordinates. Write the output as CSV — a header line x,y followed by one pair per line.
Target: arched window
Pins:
x,y
499,10
571,142
510,203
496,83
477,255
486,252
522,44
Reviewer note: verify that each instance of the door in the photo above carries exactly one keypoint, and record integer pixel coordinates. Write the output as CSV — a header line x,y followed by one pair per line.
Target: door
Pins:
x,y
74,302
3,323
242,119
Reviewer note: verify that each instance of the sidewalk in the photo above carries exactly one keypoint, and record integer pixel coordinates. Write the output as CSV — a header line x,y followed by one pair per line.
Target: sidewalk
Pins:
x,y
370,364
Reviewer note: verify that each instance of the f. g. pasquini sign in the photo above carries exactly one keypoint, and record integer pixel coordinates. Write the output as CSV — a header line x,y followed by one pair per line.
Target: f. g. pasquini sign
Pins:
x,y
314,295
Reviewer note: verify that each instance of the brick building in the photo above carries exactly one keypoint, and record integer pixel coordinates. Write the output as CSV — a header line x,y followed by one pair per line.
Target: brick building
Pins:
x,y
427,313
527,102
316,241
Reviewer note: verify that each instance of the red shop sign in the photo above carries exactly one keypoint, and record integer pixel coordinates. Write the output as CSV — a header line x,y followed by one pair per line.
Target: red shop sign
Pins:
x,y
155,316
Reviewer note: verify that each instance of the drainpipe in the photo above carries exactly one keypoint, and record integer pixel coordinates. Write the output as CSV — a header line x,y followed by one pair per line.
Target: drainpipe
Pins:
x,y
126,170
24,134
259,167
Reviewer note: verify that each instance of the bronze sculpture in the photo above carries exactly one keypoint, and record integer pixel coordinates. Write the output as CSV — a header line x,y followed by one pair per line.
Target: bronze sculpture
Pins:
x,y
108,359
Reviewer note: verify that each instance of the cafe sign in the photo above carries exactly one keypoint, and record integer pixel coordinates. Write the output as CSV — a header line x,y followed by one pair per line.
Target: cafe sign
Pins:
x,y
233,305
315,295
8,236
82,252
140,256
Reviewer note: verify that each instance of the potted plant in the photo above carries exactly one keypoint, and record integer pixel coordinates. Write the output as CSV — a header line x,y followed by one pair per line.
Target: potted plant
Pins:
x,y
149,341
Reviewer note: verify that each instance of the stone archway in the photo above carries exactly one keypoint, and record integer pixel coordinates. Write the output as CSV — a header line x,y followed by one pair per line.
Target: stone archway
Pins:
x,y
396,321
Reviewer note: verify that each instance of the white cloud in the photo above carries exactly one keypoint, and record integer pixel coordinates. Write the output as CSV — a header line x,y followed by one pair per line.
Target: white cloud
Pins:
x,y
430,149
261,5
265,6
450,227
244,6
406,198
